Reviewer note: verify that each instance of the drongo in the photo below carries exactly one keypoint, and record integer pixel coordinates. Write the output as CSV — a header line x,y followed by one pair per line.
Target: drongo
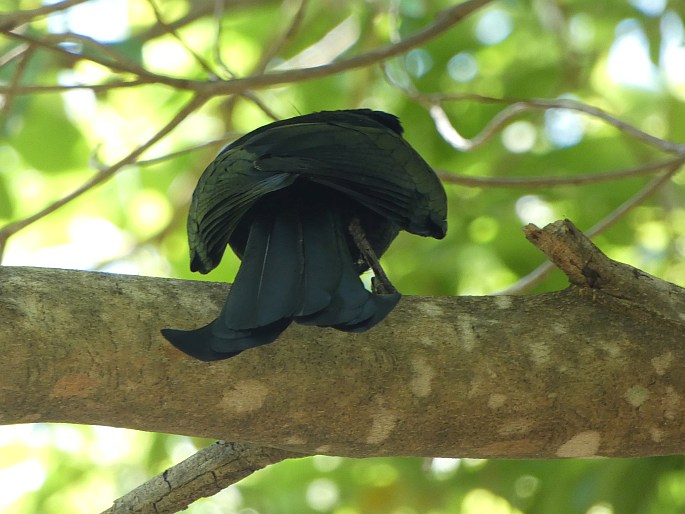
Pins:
x,y
307,204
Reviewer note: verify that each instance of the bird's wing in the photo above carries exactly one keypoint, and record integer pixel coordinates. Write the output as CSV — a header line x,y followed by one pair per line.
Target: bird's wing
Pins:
x,y
224,194
371,164
363,157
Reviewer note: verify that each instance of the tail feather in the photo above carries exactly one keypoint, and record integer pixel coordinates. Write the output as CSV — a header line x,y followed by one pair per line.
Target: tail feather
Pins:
x,y
296,267
352,306
322,262
212,343
267,286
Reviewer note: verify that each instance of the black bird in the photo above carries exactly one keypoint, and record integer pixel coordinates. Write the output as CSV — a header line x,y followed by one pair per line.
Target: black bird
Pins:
x,y
288,198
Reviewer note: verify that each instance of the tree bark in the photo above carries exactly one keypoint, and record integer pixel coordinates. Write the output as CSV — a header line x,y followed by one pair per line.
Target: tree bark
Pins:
x,y
203,474
594,370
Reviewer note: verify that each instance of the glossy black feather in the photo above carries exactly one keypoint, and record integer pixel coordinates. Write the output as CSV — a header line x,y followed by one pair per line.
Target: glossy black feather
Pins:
x,y
283,197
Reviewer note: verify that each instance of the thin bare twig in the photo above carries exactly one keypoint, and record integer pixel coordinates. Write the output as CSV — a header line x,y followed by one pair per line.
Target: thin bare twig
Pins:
x,y
445,20
219,8
450,134
195,103
281,39
539,182
517,106
14,19
116,62
32,90
223,140
13,53
196,9
14,85
266,56
171,30
434,101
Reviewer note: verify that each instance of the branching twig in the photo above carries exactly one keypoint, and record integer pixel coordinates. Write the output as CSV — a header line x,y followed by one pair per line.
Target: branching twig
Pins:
x,y
13,53
171,30
32,90
194,104
116,62
13,19
196,10
281,39
517,106
434,101
223,140
514,106
445,20
573,105
14,85
263,60
450,134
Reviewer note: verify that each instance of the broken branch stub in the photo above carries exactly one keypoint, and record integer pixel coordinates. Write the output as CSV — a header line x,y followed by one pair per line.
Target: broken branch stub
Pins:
x,y
587,267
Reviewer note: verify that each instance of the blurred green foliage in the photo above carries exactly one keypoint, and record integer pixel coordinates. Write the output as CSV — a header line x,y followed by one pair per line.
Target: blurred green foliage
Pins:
x,y
52,143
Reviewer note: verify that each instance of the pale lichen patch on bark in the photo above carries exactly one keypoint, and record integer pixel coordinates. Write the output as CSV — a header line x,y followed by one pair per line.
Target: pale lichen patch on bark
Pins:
x,y
502,302
245,396
382,424
422,375
467,333
662,362
520,426
613,349
426,341
583,444
430,309
656,434
539,352
672,402
636,395
559,328
496,400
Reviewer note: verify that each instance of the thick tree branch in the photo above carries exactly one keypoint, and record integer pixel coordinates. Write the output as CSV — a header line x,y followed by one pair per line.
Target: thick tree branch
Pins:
x,y
593,370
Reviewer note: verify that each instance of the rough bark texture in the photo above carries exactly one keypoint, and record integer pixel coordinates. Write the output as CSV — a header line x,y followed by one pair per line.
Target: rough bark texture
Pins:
x,y
204,474
595,370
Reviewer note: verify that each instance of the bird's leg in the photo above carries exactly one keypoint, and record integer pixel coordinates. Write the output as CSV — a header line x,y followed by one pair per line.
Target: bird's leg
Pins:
x,y
380,282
